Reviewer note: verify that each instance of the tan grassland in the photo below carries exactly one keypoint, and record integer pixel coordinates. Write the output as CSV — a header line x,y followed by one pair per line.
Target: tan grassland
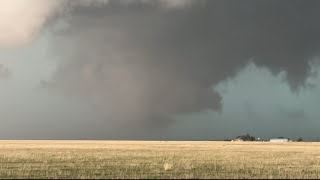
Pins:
x,y
158,159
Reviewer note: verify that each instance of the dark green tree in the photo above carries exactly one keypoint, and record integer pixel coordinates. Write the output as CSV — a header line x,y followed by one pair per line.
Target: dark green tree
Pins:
x,y
299,139
247,137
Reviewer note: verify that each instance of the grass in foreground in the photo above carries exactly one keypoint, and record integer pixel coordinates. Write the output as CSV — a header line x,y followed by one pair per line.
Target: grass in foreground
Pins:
x,y
134,159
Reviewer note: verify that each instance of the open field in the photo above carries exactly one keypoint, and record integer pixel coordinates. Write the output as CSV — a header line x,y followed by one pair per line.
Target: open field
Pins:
x,y
139,159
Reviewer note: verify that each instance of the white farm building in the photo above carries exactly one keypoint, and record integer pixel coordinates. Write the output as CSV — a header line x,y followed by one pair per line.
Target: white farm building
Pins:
x,y
237,140
280,140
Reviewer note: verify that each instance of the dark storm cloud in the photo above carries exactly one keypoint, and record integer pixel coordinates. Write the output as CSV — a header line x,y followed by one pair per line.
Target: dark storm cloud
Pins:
x,y
140,64
294,114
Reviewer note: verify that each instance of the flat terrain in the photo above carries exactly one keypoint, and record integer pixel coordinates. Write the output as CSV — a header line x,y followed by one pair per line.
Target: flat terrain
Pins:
x,y
140,159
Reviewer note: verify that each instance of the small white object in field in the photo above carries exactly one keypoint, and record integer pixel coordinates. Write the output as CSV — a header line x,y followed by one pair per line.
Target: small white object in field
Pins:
x,y
167,166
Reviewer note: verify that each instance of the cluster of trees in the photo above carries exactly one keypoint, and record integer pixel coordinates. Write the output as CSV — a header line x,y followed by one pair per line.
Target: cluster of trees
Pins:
x,y
248,137
299,139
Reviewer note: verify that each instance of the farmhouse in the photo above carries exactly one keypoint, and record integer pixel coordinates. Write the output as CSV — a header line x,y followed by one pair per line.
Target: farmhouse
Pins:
x,y
279,140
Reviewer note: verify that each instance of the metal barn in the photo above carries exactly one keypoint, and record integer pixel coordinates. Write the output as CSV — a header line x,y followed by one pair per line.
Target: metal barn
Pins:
x,y
279,140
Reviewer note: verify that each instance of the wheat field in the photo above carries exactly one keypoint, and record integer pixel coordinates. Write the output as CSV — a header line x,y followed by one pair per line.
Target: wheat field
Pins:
x,y
158,159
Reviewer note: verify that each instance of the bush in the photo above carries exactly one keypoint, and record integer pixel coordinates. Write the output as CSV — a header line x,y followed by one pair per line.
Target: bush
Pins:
x,y
300,139
247,137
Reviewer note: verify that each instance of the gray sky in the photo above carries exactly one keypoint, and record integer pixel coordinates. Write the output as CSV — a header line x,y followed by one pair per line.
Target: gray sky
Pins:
x,y
182,69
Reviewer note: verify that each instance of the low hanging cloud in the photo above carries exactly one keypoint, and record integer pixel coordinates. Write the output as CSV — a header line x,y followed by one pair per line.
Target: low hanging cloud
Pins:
x,y
139,64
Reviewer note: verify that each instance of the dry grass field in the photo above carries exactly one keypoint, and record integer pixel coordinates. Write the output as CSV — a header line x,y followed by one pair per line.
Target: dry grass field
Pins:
x,y
138,159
